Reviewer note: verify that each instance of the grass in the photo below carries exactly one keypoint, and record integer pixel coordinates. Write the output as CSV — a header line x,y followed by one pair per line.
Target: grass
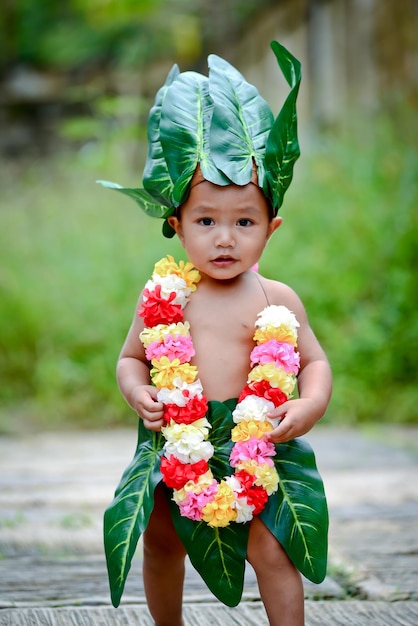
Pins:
x,y
74,257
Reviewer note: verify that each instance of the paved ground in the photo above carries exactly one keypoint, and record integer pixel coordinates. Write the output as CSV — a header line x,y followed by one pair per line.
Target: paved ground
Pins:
x,y
54,487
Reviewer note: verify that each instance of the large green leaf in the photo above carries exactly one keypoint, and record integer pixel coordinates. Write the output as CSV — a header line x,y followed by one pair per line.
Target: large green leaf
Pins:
x,y
156,177
141,197
184,128
218,554
241,122
297,513
127,516
282,148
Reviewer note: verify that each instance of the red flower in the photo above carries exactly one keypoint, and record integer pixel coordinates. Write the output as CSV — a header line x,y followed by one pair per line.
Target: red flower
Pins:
x,y
177,474
263,389
257,496
194,410
158,310
247,480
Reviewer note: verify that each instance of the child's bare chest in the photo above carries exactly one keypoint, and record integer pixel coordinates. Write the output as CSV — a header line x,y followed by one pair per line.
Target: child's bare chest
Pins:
x,y
222,332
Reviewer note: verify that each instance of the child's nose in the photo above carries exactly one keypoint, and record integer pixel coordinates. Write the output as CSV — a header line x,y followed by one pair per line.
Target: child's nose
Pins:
x,y
224,237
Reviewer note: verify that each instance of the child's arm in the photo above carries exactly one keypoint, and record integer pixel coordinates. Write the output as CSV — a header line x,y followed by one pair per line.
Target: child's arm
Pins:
x,y
314,382
133,376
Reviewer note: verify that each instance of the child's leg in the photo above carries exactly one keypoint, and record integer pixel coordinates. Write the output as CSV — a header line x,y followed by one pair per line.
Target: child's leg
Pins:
x,y
280,583
163,567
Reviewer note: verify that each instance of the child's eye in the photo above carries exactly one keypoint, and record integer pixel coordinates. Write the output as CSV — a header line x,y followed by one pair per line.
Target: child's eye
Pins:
x,y
244,222
206,221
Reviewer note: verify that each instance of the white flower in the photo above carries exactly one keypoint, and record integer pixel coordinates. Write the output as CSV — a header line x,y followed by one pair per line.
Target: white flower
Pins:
x,y
188,442
244,510
181,393
277,315
170,283
252,408
234,484
150,286
189,450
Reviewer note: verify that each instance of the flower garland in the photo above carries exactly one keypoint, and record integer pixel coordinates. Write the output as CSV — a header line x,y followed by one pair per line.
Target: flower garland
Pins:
x,y
187,451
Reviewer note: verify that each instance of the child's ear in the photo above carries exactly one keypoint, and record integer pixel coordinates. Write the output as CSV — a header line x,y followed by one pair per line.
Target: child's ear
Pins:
x,y
274,225
175,224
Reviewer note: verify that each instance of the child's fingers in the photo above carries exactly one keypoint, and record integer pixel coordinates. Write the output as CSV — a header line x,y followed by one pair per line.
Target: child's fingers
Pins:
x,y
154,424
283,432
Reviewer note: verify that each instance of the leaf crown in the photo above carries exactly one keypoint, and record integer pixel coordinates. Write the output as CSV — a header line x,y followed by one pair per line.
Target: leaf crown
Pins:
x,y
222,123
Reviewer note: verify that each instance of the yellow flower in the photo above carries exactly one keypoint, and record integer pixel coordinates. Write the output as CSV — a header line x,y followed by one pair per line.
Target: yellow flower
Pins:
x,y
159,332
253,428
280,333
249,466
219,512
165,371
186,271
267,477
156,333
165,266
203,482
276,376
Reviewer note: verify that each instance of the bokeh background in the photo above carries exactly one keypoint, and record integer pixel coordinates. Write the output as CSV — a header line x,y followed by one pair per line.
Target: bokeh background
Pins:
x,y
77,78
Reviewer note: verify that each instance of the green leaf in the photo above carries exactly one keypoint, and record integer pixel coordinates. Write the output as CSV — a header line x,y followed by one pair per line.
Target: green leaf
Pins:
x,y
127,516
241,122
184,128
167,230
282,148
297,513
220,416
156,177
141,197
218,554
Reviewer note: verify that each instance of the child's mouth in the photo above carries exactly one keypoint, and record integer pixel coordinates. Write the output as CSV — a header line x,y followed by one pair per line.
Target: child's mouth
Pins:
x,y
223,261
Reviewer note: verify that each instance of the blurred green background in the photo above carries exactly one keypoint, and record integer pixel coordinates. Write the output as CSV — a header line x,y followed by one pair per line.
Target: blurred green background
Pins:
x,y
77,79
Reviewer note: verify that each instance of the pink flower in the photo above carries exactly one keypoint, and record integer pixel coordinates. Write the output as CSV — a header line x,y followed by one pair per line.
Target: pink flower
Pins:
x,y
178,347
253,449
278,352
193,503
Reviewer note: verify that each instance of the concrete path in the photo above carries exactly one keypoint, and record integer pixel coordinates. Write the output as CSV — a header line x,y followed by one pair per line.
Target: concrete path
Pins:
x,y
54,488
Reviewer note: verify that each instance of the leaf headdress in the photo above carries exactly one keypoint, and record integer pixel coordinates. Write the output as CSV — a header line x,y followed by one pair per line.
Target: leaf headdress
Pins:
x,y
223,124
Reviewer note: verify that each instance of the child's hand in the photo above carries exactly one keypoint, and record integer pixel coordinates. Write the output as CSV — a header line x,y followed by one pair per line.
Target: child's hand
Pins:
x,y
297,418
145,403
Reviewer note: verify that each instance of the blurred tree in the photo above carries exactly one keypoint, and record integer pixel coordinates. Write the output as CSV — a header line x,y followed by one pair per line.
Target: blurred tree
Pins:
x,y
72,32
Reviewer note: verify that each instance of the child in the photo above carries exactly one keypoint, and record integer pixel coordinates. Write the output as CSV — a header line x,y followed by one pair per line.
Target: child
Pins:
x,y
221,194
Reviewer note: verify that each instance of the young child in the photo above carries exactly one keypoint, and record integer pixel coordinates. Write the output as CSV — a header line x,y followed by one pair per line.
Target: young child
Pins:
x,y
181,388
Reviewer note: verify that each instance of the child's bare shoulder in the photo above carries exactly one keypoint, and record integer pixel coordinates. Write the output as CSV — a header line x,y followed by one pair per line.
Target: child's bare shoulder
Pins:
x,y
281,294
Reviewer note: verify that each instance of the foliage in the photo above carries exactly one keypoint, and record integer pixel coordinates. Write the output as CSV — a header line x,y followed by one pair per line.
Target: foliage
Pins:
x,y
87,34
74,256
70,34
355,223
296,514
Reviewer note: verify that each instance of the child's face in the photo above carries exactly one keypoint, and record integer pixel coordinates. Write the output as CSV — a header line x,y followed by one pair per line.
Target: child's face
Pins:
x,y
224,229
